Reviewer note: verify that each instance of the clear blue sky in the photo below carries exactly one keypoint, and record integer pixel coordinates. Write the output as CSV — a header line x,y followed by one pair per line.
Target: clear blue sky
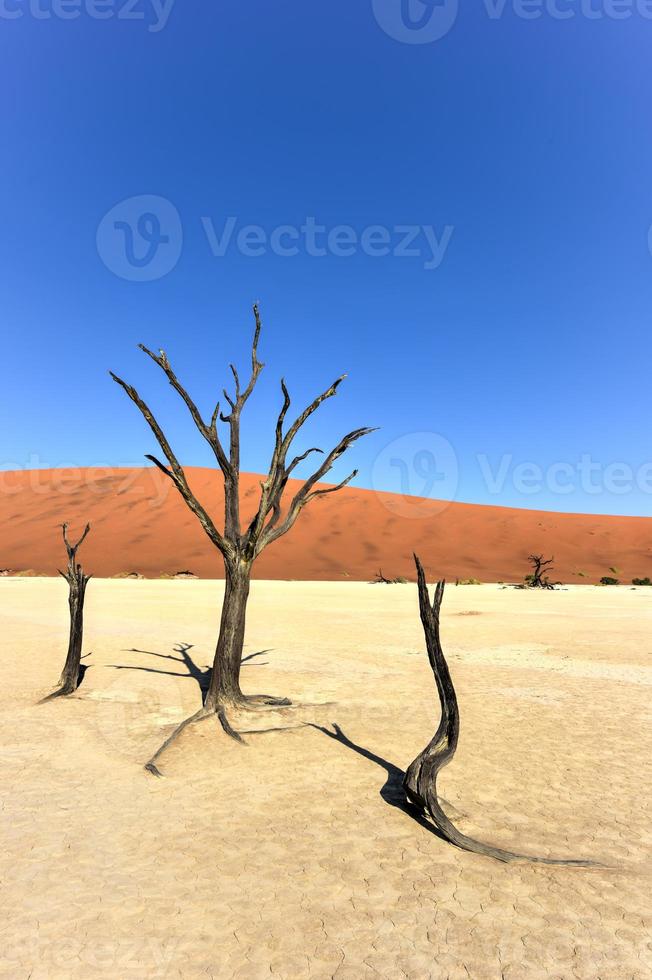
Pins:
x,y
530,139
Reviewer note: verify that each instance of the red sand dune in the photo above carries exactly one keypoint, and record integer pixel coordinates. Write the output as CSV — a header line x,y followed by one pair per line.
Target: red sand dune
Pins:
x,y
141,524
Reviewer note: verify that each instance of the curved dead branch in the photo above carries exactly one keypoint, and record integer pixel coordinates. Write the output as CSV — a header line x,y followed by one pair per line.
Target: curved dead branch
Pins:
x,y
200,715
420,782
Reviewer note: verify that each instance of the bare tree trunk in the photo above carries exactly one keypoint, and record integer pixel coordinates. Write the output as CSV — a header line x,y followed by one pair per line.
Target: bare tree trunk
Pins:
x,y
224,687
420,782
70,675
77,580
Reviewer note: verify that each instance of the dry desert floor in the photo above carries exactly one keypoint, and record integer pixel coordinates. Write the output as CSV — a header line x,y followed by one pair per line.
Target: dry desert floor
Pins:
x,y
291,856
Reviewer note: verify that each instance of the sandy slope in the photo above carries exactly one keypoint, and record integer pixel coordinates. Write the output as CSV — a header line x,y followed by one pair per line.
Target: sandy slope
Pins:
x,y
140,524
285,858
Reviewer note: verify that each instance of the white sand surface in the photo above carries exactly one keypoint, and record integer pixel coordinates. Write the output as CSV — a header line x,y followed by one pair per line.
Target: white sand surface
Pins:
x,y
286,857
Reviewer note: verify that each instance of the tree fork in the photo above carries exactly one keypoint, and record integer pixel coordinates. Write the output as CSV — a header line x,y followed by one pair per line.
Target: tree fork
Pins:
x,y
420,782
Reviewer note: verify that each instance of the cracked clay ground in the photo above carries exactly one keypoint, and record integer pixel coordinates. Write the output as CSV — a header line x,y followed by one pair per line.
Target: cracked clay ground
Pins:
x,y
289,857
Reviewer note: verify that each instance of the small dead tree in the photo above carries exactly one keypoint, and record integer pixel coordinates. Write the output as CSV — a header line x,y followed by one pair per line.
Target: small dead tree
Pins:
x,y
241,547
420,782
538,579
77,580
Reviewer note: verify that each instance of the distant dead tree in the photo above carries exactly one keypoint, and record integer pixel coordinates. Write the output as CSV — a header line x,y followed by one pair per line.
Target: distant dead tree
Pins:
x,y
77,581
537,579
420,782
240,548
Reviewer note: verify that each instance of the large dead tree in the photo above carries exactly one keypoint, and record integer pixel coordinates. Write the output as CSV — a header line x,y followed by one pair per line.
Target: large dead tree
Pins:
x,y
420,782
77,580
273,518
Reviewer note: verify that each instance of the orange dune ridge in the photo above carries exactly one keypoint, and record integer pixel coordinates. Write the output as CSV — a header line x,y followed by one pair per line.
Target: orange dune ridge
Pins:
x,y
140,524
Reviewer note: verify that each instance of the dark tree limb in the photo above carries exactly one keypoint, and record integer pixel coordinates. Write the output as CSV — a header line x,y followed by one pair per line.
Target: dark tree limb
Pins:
x,y
77,580
200,715
420,782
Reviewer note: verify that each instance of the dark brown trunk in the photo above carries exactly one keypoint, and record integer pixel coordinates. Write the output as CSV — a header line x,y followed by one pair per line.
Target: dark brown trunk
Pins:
x,y
420,782
71,674
225,679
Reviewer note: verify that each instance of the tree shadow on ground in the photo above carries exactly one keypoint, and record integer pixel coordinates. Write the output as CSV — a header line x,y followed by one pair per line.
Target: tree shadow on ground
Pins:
x,y
202,675
392,791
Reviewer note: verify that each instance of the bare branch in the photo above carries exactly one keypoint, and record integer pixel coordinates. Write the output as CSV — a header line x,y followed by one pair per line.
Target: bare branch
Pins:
x,y
236,379
232,492
162,360
299,459
160,465
325,490
153,424
238,402
256,365
72,548
333,456
176,472
282,413
306,494
214,418
208,432
274,485
310,410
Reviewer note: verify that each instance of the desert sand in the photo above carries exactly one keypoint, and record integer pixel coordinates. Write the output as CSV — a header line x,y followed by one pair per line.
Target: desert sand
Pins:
x,y
141,525
289,857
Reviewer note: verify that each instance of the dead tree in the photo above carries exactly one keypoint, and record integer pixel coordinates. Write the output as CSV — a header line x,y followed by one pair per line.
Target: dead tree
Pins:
x,y
537,579
420,782
240,548
77,580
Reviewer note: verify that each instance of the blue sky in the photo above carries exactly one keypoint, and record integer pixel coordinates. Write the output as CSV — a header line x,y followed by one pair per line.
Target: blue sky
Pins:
x,y
508,364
